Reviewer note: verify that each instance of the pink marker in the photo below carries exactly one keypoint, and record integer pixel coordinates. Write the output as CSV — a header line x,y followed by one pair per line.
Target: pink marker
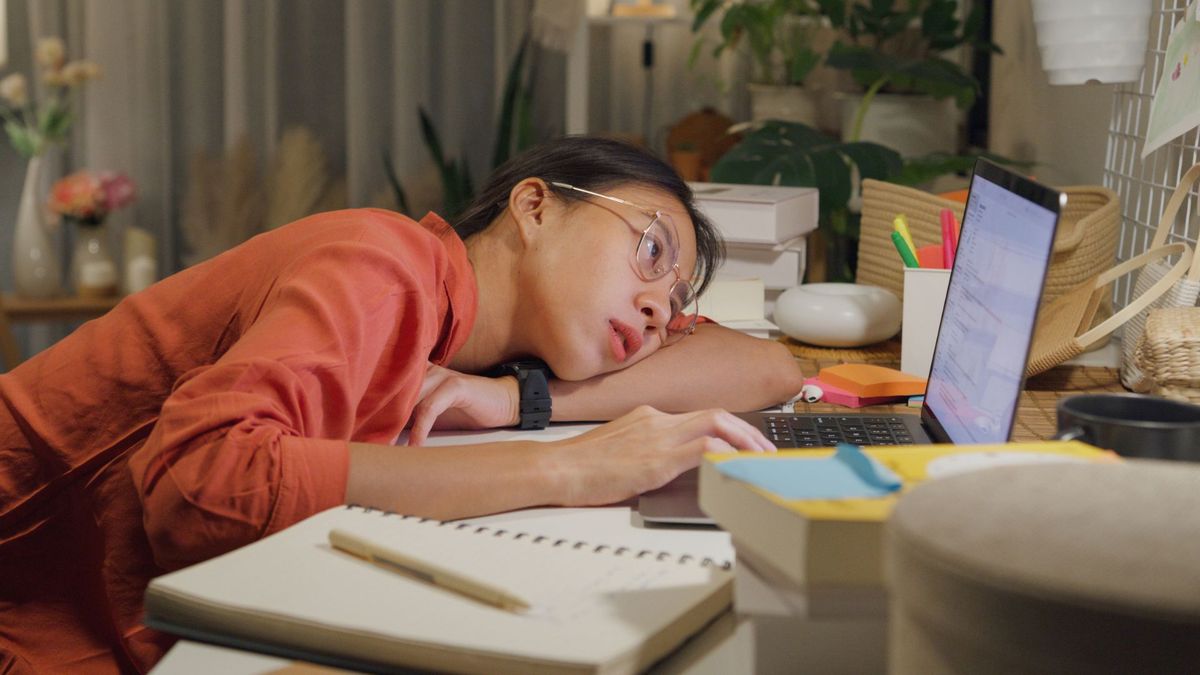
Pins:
x,y
949,243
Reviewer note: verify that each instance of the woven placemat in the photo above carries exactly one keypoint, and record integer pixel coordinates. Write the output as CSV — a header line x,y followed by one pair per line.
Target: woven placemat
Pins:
x,y
880,352
1036,409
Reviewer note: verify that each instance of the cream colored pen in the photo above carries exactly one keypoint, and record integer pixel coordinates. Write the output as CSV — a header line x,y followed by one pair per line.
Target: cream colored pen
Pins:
x,y
424,570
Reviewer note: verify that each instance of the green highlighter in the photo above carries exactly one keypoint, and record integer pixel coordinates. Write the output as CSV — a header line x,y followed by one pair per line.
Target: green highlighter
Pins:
x,y
906,254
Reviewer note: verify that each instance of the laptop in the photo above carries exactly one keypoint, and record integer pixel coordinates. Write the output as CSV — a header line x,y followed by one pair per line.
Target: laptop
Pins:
x,y
983,342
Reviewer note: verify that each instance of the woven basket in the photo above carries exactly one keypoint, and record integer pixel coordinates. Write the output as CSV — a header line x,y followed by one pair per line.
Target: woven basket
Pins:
x,y
1085,245
1067,327
1168,353
1184,293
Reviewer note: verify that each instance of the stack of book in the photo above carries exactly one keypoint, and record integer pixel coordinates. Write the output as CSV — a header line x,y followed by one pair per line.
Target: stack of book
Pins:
x,y
764,228
807,527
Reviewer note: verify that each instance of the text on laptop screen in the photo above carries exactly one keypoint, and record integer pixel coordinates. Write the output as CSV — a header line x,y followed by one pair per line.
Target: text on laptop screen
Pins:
x,y
991,305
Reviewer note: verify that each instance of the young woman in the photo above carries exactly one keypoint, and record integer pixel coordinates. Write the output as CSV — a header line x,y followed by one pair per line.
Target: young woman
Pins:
x,y
244,394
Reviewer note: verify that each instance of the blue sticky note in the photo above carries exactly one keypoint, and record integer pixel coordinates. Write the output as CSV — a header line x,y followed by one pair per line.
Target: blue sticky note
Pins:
x,y
847,474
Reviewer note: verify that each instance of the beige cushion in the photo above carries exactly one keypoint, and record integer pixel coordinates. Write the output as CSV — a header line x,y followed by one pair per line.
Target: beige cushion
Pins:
x,y
1055,568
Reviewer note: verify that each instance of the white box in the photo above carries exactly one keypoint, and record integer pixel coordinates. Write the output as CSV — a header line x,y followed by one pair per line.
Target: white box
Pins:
x,y
780,268
757,214
924,295
732,299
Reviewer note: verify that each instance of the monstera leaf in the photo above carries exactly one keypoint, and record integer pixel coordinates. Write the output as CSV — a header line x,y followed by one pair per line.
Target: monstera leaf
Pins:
x,y
788,153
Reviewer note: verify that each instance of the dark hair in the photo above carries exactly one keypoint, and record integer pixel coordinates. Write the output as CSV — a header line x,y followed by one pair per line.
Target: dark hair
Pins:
x,y
594,164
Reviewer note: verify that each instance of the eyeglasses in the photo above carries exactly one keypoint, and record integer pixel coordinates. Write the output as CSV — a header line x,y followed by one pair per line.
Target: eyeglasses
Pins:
x,y
657,253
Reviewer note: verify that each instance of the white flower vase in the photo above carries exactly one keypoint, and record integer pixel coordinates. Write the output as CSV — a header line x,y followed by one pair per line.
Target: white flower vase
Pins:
x,y
36,272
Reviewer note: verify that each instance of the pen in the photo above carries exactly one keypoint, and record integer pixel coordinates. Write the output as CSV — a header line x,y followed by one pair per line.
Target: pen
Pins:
x,y
391,559
900,224
906,253
949,241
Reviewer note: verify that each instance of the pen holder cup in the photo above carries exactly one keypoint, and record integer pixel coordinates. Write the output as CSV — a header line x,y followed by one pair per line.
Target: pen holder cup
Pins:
x,y
924,296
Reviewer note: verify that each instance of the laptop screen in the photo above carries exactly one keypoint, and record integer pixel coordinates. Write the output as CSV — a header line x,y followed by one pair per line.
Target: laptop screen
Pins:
x,y
991,304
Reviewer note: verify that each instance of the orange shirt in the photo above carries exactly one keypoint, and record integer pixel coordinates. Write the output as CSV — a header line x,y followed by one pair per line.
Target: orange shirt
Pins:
x,y
206,412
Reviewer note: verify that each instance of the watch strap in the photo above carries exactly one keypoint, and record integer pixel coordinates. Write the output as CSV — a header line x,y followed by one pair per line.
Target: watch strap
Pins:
x,y
533,387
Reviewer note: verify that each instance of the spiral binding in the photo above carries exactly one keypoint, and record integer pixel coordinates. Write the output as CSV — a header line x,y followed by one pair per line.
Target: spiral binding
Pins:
x,y
554,542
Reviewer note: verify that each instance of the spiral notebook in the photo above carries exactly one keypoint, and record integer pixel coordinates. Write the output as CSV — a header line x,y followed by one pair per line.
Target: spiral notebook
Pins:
x,y
593,609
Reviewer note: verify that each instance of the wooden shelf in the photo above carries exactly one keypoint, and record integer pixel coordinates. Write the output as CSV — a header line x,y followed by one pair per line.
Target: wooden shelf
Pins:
x,y
14,308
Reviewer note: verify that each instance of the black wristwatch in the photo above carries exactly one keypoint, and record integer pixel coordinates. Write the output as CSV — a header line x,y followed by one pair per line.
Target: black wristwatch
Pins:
x,y
533,384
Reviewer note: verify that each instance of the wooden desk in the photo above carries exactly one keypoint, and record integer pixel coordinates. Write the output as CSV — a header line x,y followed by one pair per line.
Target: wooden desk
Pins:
x,y
14,309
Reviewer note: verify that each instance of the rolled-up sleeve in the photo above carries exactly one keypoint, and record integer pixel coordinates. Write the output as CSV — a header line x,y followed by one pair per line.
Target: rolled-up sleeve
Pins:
x,y
260,439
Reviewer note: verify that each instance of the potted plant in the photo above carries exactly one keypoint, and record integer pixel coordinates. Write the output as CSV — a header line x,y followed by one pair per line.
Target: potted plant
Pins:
x,y
776,152
779,35
896,53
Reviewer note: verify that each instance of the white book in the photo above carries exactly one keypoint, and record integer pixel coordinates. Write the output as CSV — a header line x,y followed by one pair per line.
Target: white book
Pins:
x,y
593,608
758,214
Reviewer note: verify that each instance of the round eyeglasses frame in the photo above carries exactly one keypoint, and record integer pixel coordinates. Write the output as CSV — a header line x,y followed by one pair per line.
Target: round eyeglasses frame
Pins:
x,y
649,267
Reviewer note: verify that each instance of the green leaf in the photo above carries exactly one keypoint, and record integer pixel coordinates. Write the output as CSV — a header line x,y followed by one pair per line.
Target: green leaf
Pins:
x,y
923,169
832,179
397,189
873,160
54,122
939,78
703,9
512,89
802,64
430,134
24,140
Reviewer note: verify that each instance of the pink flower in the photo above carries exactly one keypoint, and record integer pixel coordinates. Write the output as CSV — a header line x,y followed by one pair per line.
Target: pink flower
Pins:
x,y
91,197
118,190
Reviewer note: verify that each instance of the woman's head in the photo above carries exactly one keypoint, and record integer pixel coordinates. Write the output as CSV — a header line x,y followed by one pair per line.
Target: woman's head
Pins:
x,y
588,214
595,164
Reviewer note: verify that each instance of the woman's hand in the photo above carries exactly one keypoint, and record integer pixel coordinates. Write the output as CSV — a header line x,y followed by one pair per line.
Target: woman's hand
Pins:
x,y
644,450
452,400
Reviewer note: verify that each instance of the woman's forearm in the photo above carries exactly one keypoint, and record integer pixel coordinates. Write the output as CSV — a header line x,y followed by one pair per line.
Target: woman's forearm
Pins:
x,y
453,481
715,367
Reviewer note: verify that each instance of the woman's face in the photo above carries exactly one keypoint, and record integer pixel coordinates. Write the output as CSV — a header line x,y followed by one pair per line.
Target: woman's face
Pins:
x,y
589,311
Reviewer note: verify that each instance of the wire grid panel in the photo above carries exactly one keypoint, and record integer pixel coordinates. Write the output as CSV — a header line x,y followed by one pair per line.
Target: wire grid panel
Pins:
x,y
1145,186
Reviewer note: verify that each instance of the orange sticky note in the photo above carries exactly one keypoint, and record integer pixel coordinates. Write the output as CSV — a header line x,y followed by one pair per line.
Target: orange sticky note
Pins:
x,y
868,381
930,257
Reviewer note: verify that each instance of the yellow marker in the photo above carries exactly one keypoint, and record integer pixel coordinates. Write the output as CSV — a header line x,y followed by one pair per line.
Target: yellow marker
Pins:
x,y
900,224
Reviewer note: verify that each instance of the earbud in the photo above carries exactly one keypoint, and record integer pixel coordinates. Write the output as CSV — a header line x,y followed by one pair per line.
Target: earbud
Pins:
x,y
811,393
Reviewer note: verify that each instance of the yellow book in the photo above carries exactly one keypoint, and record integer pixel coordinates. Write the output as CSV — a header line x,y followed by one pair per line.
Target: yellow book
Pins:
x,y
839,542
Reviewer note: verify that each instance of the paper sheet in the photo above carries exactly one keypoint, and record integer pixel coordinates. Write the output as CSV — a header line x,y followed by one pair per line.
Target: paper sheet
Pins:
x,y
1175,109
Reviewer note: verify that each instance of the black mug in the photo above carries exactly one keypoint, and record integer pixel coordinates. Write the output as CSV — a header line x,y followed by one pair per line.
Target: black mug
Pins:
x,y
1133,425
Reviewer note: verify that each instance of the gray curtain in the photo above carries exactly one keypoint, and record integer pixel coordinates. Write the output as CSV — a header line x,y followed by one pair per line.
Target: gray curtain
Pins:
x,y
184,76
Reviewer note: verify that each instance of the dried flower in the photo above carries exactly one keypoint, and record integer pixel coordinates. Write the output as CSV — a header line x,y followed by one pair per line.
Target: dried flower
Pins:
x,y
14,90
33,125
50,53
91,70
89,197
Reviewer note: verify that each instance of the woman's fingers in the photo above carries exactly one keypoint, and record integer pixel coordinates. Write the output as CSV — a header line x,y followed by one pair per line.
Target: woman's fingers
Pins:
x,y
426,413
734,430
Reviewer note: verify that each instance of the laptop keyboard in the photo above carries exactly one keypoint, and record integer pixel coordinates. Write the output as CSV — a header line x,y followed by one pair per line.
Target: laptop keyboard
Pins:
x,y
811,431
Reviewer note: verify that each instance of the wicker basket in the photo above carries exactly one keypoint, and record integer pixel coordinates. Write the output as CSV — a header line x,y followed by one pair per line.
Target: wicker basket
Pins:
x,y
1085,245
1168,353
